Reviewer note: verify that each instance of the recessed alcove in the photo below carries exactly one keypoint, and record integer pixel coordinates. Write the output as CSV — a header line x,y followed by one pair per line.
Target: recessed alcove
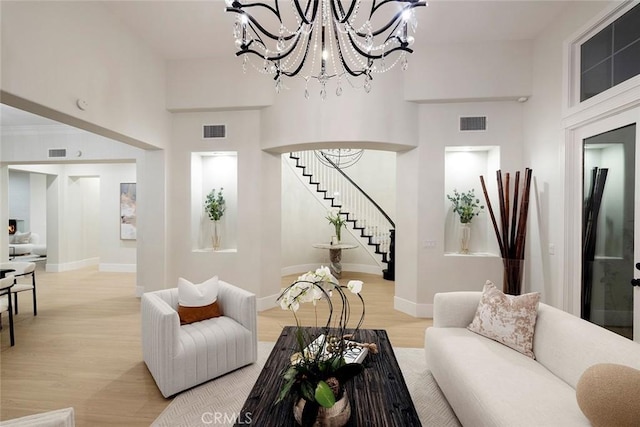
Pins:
x,y
463,167
214,170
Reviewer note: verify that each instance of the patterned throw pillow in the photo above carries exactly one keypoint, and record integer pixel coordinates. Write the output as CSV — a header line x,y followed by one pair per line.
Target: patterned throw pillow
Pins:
x,y
508,319
198,302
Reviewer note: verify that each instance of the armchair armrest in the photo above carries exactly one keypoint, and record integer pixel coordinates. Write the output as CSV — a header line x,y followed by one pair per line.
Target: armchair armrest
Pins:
x,y
454,309
240,305
160,327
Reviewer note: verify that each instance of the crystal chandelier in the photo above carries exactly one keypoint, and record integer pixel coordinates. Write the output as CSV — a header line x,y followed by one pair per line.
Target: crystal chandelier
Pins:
x,y
324,39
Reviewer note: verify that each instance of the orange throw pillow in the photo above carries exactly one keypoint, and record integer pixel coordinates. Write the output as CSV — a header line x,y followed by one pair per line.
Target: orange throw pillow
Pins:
x,y
197,314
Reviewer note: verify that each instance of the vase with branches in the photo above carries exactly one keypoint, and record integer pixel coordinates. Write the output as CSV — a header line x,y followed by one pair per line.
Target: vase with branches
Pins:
x,y
215,207
466,205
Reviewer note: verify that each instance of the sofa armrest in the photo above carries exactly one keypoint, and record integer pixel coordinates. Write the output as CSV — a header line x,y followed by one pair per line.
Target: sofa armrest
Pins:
x,y
160,326
454,309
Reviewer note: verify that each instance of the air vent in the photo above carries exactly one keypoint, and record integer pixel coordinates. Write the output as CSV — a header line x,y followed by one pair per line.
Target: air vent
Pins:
x,y
57,152
214,131
473,123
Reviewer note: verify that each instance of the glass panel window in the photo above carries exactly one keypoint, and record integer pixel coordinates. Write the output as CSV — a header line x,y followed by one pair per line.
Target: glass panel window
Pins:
x,y
611,56
596,80
626,63
627,29
596,49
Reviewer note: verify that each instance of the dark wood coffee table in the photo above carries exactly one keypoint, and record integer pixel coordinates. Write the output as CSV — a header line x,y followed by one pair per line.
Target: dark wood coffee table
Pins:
x,y
378,397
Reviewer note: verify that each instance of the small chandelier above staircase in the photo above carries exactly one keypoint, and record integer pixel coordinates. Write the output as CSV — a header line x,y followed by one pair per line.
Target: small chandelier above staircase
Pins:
x,y
340,158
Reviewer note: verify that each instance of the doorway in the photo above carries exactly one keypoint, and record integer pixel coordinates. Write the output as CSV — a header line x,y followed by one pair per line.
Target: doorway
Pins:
x,y
608,229
610,213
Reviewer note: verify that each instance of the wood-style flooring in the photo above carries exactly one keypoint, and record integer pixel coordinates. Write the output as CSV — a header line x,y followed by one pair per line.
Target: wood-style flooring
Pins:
x,y
83,349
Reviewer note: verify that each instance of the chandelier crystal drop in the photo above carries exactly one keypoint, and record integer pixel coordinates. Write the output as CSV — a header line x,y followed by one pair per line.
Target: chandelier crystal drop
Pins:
x,y
323,40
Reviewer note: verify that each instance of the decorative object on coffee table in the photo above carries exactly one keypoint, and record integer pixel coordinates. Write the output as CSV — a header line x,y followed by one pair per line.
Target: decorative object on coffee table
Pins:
x,y
318,372
215,206
511,236
466,205
379,396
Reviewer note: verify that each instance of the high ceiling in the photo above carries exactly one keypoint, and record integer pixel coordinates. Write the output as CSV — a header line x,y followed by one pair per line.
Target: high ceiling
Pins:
x,y
184,29
202,29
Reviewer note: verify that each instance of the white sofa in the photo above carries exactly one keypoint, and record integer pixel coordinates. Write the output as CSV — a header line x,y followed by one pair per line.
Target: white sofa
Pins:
x,y
26,243
182,356
490,384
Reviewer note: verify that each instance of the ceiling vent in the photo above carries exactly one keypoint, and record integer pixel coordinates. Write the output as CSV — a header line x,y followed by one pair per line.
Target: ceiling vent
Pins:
x,y
57,152
214,131
473,123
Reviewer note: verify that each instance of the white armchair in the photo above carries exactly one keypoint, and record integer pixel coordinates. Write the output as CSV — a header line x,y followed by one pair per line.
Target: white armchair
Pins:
x,y
180,357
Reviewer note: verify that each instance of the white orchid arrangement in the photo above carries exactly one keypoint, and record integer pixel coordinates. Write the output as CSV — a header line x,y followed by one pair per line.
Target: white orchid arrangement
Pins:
x,y
317,375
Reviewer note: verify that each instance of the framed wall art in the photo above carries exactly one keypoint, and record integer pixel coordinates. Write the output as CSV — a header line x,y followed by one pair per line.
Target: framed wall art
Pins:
x,y
128,211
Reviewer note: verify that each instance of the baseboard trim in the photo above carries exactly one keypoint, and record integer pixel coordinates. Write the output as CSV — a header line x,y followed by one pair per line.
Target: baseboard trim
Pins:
x,y
266,303
69,266
117,268
413,309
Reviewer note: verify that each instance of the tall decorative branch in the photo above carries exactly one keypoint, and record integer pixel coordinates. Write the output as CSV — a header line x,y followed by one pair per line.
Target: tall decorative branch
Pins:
x,y
511,234
589,233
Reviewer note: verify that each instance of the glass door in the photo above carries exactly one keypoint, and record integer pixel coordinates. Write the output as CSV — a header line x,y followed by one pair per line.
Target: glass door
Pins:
x,y
610,240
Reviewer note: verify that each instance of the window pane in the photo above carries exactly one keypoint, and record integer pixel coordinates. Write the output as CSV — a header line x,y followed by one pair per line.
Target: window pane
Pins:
x,y
596,80
626,64
596,49
627,28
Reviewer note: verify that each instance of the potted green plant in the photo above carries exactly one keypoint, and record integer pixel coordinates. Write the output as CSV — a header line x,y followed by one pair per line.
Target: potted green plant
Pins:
x,y
314,381
337,221
467,206
215,207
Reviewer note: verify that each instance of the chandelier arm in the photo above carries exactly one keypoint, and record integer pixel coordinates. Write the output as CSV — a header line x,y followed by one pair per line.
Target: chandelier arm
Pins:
x,y
234,8
403,46
303,15
301,64
334,9
414,3
345,66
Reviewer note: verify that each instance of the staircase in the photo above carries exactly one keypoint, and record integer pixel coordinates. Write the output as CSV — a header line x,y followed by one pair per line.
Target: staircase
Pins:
x,y
364,216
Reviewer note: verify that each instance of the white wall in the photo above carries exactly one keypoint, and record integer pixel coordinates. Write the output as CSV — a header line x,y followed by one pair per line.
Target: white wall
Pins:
x,y
255,264
83,52
489,70
543,150
422,271
19,199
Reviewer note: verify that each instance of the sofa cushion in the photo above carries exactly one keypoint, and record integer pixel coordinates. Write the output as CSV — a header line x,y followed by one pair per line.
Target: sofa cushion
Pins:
x,y
608,395
489,384
508,319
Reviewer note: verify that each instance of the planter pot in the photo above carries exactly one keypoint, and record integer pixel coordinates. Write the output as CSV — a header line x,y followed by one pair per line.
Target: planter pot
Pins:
x,y
336,416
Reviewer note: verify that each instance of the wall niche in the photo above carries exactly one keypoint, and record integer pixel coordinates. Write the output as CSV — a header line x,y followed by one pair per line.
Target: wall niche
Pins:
x,y
463,167
209,171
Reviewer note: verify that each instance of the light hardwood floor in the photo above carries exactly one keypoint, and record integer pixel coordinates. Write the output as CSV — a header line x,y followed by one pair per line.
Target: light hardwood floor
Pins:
x,y
83,349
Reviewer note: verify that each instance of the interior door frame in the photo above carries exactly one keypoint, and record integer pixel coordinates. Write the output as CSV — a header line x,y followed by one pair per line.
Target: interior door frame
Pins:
x,y
574,202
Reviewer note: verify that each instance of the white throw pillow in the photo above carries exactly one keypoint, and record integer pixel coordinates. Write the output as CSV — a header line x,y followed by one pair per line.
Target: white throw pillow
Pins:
x,y
508,319
21,238
197,295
